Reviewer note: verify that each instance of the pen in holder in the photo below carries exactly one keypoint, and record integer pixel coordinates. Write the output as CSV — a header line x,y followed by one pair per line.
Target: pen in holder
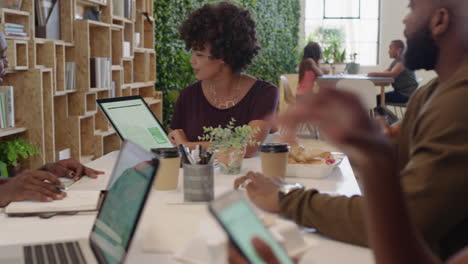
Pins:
x,y
198,182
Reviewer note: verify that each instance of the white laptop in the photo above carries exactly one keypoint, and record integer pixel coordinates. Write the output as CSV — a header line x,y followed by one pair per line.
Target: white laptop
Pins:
x,y
133,120
115,224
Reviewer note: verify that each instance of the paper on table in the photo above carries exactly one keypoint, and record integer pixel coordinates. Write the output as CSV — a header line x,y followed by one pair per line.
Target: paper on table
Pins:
x,y
75,201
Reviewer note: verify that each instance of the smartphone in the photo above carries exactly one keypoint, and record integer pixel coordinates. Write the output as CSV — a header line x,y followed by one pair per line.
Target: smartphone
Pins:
x,y
240,222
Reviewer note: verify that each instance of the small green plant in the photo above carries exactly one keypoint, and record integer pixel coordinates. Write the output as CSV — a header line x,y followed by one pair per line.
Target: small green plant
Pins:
x,y
230,136
11,152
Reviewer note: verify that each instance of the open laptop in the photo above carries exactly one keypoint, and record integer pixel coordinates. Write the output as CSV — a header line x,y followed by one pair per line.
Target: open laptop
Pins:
x,y
115,224
133,120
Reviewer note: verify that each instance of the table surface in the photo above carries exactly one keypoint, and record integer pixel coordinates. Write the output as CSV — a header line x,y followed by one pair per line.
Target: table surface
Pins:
x,y
169,224
375,80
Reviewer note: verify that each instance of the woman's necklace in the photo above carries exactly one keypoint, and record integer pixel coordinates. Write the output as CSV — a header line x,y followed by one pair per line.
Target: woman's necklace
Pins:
x,y
224,102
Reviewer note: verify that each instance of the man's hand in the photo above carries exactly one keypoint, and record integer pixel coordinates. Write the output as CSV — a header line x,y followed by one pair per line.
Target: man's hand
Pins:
x,y
70,169
31,185
341,117
262,191
263,250
178,137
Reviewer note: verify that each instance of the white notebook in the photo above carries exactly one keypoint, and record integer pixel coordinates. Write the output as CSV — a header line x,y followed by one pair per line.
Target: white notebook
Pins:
x,y
75,201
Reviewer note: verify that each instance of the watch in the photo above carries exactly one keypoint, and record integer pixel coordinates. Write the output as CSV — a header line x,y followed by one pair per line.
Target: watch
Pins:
x,y
285,189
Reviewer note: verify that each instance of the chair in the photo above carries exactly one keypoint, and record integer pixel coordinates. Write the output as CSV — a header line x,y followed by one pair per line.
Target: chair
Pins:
x,y
399,109
287,91
289,98
363,89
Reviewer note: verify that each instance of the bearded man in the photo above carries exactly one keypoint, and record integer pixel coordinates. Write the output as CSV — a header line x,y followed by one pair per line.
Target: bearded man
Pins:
x,y
431,143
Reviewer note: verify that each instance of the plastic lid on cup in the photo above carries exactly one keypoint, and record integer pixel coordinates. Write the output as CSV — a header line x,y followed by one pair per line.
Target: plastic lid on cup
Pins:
x,y
274,147
165,153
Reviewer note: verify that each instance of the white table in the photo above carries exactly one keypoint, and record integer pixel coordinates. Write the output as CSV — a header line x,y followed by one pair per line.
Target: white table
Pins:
x,y
331,80
174,224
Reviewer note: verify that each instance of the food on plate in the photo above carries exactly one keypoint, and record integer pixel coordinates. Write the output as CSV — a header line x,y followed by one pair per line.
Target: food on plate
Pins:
x,y
302,155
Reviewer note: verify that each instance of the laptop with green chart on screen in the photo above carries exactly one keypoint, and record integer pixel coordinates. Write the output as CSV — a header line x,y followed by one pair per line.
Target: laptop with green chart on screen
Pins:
x,y
133,120
115,225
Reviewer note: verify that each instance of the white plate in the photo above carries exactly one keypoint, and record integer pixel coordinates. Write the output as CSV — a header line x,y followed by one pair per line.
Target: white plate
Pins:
x,y
314,171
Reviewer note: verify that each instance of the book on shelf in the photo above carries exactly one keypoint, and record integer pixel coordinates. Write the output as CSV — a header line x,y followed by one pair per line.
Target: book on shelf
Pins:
x,y
112,91
11,4
43,10
7,106
101,70
70,75
118,9
126,49
127,8
13,25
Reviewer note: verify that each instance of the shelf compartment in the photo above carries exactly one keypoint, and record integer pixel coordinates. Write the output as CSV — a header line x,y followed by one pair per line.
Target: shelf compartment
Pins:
x,y
117,78
126,91
148,34
128,71
117,48
16,17
87,136
17,54
49,117
101,122
111,143
59,68
147,91
62,129
140,67
152,66
43,52
129,30
91,102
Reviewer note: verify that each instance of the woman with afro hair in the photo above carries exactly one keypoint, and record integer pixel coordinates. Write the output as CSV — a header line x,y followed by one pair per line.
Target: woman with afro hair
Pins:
x,y
222,39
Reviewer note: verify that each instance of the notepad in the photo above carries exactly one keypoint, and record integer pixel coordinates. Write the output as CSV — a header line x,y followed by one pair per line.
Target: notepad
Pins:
x,y
75,201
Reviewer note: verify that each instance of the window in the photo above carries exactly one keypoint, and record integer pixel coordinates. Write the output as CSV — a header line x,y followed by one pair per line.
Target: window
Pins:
x,y
355,22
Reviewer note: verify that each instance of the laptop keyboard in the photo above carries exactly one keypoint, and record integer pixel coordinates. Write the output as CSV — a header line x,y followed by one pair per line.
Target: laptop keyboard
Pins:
x,y
57,253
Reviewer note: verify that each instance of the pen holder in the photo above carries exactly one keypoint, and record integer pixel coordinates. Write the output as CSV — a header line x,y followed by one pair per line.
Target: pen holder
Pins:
x,y
198,182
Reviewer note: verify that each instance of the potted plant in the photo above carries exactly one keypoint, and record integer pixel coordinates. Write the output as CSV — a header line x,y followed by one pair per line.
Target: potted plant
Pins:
x,y
13,151
230,144
353,66
331,40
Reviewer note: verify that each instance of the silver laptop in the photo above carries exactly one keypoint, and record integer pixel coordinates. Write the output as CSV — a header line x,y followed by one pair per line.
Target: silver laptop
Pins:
x,y
116,222
133,120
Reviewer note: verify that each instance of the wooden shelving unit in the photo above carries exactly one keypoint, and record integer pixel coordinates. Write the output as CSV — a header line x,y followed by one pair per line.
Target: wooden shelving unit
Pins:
x,y
56,118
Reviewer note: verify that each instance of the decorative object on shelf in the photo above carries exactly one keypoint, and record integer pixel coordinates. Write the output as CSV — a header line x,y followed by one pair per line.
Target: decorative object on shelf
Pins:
x,y
48,19
7,107
230,144
11,4
93,13
13,151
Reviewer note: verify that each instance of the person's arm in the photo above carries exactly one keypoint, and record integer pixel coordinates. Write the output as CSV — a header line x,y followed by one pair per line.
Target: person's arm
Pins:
x,y
434,181
312,65
31,185
393,72
71,169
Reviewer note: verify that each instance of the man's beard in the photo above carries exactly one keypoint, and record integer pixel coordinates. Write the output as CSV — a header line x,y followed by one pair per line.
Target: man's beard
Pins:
x,y
422,51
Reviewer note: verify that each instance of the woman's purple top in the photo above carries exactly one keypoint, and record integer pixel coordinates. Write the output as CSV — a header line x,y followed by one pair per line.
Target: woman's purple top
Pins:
x,y
192,111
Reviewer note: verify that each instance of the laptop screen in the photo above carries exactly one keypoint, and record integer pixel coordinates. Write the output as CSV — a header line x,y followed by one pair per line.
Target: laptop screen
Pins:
x,y
133,120
119,214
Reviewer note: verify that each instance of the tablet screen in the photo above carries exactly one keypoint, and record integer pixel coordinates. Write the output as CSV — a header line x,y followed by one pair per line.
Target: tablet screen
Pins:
x,y
134,121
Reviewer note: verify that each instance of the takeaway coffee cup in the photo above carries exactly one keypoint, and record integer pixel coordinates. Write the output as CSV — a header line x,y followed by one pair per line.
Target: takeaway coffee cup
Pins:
x,y
274,157
167,177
